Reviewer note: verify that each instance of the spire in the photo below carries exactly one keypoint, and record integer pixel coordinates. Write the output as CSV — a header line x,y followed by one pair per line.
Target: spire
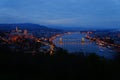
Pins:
x,y
61,41
17,29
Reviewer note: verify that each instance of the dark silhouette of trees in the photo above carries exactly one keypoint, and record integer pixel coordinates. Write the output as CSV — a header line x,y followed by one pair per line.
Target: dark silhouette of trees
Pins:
x,y
61,65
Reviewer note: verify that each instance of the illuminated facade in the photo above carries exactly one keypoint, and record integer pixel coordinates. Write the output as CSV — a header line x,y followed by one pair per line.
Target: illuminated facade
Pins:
x,y
15,34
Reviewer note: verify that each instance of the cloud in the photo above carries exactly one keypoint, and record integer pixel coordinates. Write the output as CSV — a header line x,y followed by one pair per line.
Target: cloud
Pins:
x,y
61,12
60,21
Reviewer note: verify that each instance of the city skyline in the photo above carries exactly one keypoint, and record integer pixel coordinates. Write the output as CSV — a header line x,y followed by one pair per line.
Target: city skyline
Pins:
x,y
68,13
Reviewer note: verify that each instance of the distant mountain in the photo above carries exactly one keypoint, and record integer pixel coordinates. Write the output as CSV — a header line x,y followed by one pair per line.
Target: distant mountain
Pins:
x,y
28,26
72,28
82,28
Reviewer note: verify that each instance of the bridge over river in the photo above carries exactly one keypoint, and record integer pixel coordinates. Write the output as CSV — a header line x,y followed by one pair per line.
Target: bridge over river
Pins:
x,y
78,43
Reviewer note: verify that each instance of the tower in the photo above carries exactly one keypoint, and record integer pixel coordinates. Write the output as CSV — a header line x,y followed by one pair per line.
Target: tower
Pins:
x,y
25,32
16,29
61,41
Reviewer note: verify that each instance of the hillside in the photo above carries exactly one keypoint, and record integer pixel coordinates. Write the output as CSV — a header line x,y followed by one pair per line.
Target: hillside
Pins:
x,y
28,26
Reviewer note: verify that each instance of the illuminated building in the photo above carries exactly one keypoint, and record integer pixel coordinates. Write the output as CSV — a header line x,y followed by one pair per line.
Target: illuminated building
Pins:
x,y
51,49
61,41
15,34
83,40
25,32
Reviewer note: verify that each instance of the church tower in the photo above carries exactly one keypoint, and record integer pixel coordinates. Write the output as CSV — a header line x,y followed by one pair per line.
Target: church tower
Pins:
x,y
16,29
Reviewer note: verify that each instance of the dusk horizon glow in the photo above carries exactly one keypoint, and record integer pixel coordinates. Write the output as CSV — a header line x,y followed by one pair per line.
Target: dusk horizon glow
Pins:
x,y
76,13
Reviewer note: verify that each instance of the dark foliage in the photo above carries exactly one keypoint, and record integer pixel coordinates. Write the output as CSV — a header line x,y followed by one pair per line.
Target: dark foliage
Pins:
x,y
19,66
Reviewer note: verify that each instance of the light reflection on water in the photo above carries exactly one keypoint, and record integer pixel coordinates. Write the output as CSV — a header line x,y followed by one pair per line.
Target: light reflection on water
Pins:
x,y
72,43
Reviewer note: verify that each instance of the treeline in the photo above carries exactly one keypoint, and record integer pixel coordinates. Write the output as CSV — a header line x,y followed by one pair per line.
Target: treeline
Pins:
x,y
21,66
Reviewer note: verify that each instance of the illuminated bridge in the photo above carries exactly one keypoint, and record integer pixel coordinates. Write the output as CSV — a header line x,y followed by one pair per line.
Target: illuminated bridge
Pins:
x,y
70,41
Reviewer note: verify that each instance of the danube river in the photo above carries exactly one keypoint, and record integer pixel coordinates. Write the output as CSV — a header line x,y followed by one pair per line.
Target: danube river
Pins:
x,y
75,43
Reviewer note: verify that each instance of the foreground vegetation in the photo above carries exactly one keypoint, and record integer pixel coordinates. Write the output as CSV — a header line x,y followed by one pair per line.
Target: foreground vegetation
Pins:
x,y
19,66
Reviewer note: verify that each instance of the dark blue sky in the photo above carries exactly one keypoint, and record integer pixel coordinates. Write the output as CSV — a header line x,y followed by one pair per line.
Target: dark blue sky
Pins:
x,y
77,13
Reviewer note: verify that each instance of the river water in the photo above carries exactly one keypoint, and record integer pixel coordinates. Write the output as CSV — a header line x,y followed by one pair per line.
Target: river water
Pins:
x,y
74,43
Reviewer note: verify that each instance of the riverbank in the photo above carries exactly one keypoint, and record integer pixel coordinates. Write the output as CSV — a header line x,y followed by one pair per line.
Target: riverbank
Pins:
x,y
73,43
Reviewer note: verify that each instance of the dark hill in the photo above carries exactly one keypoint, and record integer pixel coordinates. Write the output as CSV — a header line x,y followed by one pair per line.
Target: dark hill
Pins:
x,y
28,26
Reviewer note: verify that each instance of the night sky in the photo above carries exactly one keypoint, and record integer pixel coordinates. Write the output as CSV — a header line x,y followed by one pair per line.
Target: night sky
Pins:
x,y
76,13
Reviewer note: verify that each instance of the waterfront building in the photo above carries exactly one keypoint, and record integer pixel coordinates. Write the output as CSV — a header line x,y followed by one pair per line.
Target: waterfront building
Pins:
x,y
16,34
